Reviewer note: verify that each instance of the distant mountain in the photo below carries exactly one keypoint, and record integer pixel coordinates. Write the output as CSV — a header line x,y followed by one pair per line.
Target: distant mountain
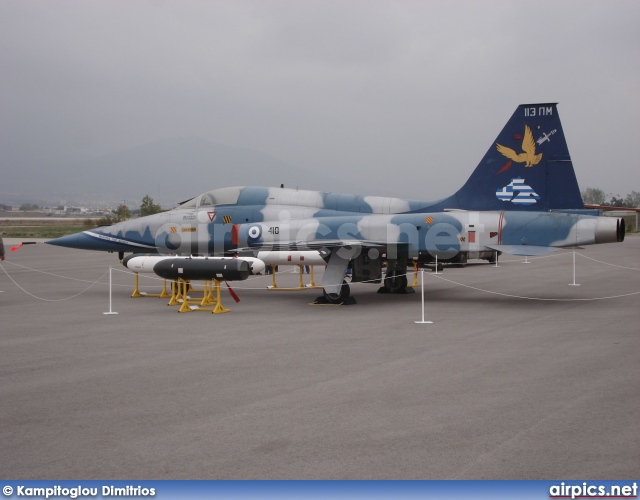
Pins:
x,y
169,171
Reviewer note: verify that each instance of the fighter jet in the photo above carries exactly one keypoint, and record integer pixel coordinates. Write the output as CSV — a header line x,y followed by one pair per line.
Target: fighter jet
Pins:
x,y
525,203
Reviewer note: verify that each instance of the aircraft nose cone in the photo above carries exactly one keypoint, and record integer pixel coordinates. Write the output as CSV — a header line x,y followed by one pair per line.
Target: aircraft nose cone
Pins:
x,y
81,241
95,239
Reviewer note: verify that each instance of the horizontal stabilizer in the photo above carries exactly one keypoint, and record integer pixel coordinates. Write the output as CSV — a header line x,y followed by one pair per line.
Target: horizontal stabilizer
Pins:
x,y
524,250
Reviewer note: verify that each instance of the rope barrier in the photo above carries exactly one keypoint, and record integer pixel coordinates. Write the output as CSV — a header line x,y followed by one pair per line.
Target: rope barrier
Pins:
x,y
534,298
242,286
43,272
55,300
607,263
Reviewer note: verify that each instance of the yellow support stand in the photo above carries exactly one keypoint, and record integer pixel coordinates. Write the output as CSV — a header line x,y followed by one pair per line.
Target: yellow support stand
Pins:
x,y
179,295
164,294
182,296
312,282
174,294
274,285
208,298
301,285
191,288
188,304
137,293
184,307
415,275
219,309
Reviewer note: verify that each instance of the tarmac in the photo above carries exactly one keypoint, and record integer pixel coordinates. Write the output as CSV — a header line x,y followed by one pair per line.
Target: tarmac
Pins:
x,y
520,375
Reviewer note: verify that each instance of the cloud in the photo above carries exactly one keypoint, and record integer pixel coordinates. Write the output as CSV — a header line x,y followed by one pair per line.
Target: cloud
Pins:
x,y
400,98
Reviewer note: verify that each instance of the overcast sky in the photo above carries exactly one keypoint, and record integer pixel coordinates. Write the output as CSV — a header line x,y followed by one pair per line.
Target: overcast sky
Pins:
x,y
401,97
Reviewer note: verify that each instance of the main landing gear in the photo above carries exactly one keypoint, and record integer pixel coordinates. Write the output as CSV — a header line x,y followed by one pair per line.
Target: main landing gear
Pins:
x,y
395,280
336,290
340,297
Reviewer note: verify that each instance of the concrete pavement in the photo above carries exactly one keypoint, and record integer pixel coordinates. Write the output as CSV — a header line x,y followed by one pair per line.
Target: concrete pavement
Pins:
x,y
498,387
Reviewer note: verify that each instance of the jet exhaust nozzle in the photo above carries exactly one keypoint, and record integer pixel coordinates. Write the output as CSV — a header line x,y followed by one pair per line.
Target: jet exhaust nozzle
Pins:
x,y
610,230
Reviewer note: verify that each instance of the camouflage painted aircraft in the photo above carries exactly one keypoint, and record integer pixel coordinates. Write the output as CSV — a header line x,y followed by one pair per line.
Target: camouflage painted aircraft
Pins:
x,y
523,198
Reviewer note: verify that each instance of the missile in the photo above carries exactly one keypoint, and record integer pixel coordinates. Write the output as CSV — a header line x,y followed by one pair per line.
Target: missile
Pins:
x,y
256,265
141,263
283,258
219,268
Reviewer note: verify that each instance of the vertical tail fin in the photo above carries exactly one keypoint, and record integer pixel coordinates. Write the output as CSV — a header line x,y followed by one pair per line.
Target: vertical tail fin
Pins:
x,y
528,167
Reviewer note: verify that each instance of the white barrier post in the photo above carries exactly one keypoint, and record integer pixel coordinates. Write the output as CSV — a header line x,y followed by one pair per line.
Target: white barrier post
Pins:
x,y
422,280
110,311
574,271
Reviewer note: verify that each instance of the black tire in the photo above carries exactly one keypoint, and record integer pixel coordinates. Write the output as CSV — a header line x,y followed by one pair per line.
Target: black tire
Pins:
x,y
338,298
460,260
395,283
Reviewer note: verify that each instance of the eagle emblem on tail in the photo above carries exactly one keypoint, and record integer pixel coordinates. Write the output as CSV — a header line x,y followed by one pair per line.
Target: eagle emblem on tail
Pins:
x,y
528,156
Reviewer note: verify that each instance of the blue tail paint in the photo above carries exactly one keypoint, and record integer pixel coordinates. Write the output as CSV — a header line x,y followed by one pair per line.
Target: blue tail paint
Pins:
x,y
527,168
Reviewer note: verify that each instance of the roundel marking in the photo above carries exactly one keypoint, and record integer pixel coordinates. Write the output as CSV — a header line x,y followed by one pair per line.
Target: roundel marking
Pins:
x,y
254,232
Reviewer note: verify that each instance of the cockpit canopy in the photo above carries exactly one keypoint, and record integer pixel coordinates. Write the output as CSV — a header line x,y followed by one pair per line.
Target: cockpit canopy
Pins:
x,y
221,196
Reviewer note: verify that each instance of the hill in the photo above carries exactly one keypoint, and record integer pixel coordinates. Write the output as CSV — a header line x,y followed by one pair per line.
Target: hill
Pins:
x,y
169,171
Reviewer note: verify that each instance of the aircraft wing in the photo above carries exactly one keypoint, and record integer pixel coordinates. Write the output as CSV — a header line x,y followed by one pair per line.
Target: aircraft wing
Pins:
x,y
312,245
524,250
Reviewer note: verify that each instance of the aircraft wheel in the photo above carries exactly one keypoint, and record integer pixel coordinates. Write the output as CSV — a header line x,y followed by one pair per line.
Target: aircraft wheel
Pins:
x,y
494,257
338,298
460,260
395,283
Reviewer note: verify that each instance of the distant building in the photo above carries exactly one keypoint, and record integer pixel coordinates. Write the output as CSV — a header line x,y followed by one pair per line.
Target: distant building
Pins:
x,y
5,208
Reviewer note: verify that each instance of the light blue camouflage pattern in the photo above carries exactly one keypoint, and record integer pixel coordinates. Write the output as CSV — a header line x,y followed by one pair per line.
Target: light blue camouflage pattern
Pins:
x,y
527,170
